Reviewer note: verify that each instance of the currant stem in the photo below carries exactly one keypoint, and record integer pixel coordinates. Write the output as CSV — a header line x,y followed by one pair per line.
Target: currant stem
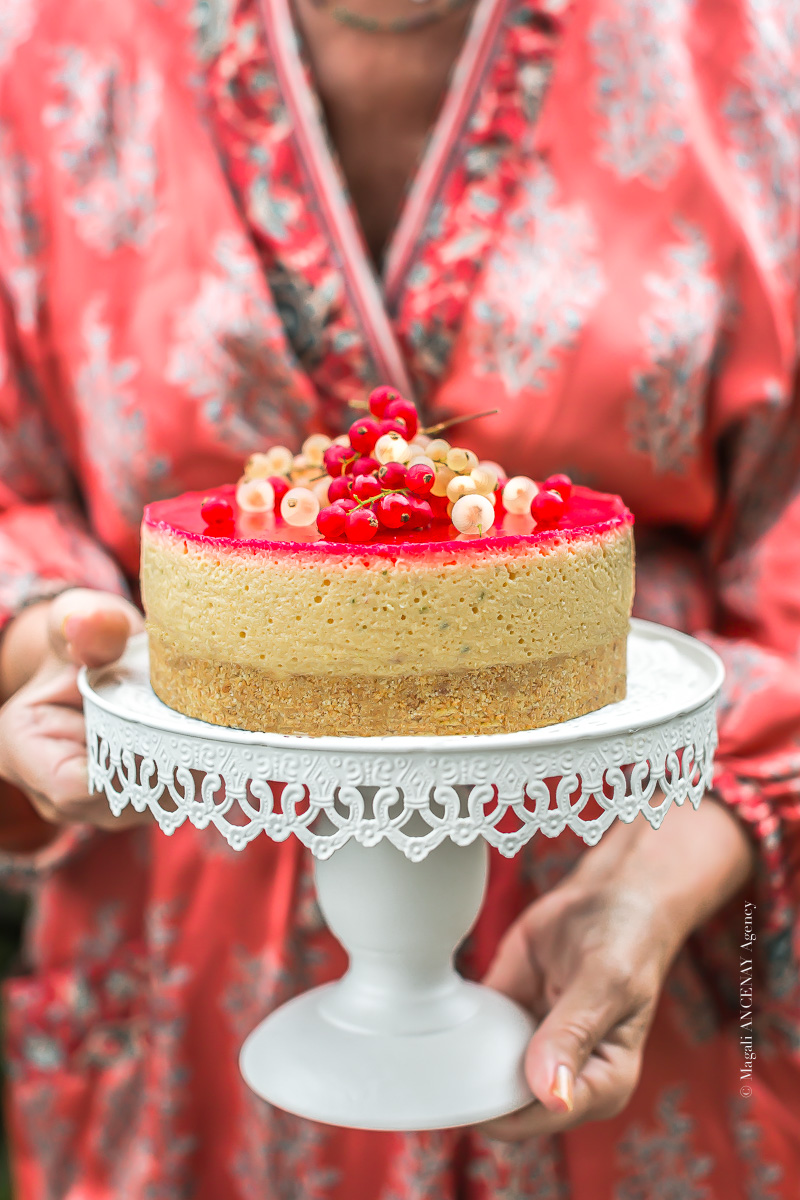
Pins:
x,y
384,492
491,412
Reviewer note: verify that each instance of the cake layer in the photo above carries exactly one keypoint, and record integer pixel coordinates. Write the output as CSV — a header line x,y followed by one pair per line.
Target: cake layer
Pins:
x,y
277,628
359,615
491,699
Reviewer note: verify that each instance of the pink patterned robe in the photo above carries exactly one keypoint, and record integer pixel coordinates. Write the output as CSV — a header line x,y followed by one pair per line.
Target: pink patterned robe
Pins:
x,y
601,241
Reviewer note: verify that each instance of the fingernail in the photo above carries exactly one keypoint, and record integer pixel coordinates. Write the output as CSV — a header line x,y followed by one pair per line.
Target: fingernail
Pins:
x,y
69,626
562,1087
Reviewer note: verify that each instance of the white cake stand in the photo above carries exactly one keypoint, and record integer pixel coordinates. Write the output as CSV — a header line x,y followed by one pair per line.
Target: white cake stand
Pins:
x,y
399,827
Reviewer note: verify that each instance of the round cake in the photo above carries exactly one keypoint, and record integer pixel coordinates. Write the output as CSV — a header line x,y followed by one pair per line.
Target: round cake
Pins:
x,y
264,625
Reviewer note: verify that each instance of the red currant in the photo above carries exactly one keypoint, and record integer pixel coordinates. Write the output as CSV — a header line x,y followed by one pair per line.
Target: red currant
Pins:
x,y
348,505
361,525
547,507
439,506
392,475
380,397
336,459
421,513
558,483
340,488
499,507
331,521
387,426
365,465
366,487
363,434
215,511
420,479
280,487
404,410
394,511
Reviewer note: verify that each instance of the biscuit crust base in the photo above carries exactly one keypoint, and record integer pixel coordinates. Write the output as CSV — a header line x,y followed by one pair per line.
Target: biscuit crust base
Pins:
x,y
502,699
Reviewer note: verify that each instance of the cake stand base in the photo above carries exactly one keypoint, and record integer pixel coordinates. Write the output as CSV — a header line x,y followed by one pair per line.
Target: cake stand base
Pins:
x,y
301,1060
401,1041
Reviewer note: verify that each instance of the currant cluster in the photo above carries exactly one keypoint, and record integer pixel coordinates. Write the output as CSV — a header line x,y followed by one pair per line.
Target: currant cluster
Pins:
x,y
388,474
385,473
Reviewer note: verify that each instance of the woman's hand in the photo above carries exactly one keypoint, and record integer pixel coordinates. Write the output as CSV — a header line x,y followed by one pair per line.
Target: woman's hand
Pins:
x,y
42,735
589,958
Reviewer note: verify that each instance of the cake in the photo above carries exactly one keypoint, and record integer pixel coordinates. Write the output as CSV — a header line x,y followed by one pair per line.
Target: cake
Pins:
x,y
263,623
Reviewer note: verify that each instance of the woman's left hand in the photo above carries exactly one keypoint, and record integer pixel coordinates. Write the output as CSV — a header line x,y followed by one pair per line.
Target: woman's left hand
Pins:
x,y
589,958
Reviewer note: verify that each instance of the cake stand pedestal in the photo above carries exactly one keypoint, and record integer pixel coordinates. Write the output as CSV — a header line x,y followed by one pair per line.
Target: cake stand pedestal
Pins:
x,y
400,829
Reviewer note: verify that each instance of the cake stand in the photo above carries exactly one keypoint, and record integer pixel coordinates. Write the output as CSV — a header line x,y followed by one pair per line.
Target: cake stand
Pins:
x,y
400,829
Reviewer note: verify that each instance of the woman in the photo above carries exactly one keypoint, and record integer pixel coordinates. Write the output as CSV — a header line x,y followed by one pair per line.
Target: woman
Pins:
x,y
593,227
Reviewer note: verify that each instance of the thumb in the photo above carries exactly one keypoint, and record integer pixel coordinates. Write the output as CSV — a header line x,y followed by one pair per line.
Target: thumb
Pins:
x,y
91,628
580,1019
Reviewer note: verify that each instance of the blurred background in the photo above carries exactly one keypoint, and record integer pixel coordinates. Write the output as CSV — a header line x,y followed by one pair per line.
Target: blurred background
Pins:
x,y
12,915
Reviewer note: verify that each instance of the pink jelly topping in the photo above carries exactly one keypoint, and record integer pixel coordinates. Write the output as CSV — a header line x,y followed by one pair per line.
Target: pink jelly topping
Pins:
x,y
588,514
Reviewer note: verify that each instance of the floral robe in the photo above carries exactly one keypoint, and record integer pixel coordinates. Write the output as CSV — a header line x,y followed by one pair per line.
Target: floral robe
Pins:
x,y
602,242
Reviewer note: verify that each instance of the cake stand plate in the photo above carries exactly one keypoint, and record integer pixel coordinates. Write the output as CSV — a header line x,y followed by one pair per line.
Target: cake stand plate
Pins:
x,y
400,829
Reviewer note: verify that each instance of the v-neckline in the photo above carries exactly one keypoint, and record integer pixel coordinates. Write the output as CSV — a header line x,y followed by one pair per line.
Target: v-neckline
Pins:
x,y
371,295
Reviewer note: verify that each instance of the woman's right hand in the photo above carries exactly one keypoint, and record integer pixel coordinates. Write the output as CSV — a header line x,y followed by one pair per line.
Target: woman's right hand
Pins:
x,y
42,733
